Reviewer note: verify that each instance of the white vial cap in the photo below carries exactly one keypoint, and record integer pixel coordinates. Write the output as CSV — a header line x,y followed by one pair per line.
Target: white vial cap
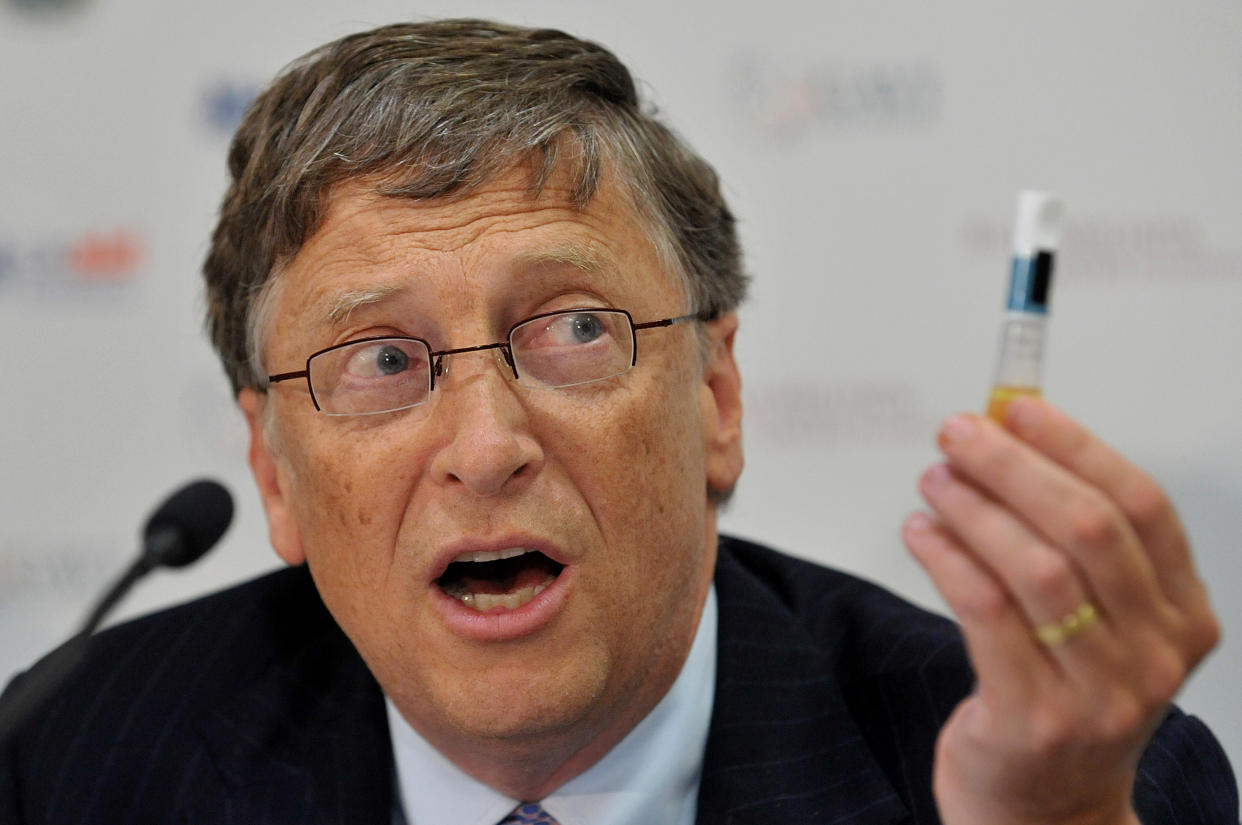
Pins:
x,y
1041,222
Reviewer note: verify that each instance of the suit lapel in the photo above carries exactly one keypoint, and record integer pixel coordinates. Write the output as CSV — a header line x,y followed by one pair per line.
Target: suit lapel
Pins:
x,y
783,746
307,742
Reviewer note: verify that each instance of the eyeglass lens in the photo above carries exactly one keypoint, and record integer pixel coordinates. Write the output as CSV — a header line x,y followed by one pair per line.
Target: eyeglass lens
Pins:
x,y
562,349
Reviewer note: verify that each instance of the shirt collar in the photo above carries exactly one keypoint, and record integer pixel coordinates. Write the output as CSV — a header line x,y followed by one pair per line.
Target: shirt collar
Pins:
x,y
650,775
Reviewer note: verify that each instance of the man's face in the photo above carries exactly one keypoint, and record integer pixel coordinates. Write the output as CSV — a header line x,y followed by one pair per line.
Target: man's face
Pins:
x,y
604,484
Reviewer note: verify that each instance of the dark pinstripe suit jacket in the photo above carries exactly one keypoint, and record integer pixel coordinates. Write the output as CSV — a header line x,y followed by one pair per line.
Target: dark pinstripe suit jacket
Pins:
x,y
251,707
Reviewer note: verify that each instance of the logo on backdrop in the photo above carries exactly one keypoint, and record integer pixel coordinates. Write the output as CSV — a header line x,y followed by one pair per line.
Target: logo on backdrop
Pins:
x,y
47,6
862,412
224,102
1161,248
45,566
95,262
792,102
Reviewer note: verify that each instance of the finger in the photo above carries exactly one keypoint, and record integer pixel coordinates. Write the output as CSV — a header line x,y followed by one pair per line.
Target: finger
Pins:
x,y
1144,503
1068,512
1046,583
1087,523
1009,666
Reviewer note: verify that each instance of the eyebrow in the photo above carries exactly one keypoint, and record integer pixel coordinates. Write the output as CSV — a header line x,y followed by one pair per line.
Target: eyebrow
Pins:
x,y
580,256
346,301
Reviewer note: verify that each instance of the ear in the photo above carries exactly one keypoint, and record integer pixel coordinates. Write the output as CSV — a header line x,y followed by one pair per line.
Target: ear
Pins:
x,y
722,406
272,480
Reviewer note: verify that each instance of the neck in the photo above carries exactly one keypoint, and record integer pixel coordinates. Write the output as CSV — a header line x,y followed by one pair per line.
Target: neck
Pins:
x,y
531,772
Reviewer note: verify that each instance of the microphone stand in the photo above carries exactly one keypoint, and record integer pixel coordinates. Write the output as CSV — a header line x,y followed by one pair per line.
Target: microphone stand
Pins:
x,y
180,532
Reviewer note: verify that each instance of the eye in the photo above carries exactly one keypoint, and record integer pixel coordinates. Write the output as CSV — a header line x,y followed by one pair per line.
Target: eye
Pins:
x,y
377,360
390,360
575,328
586,328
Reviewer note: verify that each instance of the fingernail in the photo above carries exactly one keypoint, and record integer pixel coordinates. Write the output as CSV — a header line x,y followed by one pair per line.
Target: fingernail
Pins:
x,y
919,523
937,475
956,430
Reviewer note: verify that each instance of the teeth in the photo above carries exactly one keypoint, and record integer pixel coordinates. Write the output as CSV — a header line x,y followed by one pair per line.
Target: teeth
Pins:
x,y
483,602
493,555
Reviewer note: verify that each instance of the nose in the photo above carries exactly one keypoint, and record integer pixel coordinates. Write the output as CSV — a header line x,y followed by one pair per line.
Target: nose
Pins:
x,y
488,447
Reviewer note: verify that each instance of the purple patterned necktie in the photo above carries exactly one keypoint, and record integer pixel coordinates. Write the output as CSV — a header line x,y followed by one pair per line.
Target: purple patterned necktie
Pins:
x,y
529,814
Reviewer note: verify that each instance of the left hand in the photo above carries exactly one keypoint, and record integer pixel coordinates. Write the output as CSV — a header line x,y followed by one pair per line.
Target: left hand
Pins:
x,y
1031,522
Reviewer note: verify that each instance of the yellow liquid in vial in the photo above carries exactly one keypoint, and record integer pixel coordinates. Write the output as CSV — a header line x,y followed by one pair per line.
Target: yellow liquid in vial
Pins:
x,y
1002,395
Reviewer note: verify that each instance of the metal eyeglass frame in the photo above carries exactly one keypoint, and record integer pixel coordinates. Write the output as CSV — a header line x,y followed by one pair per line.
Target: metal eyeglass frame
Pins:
x,y
436,357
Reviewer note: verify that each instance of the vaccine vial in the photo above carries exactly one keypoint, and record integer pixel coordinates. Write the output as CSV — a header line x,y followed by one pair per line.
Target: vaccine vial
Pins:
x,y
1037,237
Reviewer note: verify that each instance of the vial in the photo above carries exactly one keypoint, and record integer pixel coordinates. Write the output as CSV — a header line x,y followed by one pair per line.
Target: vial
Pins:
x,y
1036,239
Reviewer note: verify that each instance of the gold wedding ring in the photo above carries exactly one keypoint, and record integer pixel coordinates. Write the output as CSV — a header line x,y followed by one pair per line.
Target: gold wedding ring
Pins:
x,y
1058,633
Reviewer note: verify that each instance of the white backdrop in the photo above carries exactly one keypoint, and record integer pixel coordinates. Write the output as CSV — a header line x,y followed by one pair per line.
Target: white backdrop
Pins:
x,y
873,152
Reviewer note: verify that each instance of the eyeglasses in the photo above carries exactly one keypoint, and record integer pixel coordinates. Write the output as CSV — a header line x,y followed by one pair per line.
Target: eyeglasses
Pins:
x,y
553,350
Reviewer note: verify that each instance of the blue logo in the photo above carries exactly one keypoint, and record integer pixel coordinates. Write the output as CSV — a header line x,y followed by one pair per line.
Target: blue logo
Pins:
x,y
224,103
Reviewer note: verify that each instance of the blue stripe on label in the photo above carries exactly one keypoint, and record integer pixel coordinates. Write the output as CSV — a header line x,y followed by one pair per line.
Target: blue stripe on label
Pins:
x,y
1030,283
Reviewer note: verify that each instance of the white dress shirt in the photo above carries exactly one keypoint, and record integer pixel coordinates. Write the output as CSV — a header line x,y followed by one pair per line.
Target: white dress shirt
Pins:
x,y
652,775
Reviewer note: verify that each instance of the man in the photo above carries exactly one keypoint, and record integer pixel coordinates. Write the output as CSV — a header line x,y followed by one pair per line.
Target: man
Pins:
x,y
478,310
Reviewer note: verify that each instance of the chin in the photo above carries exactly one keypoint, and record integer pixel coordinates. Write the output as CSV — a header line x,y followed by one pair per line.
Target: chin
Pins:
x,y
513,703
519,720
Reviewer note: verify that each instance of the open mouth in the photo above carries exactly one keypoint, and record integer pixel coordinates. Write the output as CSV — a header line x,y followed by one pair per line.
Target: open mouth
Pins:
x,y
504,579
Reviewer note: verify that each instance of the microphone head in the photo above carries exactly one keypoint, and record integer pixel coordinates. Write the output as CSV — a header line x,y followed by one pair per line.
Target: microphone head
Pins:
x,y
187,524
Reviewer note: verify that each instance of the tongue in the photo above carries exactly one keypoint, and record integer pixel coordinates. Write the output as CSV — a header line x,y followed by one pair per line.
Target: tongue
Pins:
x,y
525,577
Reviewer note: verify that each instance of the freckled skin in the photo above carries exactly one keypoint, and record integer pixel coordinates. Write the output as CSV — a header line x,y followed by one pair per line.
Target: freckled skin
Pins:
x,y
613,474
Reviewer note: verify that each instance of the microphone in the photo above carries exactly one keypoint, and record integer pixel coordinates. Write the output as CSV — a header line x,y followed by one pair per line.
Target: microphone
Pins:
x,y
187,524
179,532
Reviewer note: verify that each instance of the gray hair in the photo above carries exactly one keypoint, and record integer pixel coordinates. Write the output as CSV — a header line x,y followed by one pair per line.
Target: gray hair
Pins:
x,y
435,110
